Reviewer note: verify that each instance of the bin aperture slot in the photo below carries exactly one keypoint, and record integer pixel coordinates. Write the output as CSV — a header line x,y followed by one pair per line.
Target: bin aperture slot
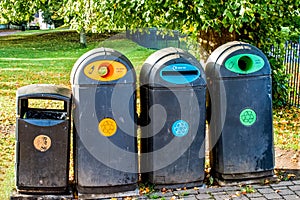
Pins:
x,y
46,104
105,70
245,63
180,73
44,109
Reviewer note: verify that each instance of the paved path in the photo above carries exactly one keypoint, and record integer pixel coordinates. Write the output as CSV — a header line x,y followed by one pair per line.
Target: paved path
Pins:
x,y
5,33
284,190
289,190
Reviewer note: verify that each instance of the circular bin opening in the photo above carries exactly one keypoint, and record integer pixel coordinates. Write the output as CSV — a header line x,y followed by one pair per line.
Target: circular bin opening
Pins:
x,y
105,70
245,63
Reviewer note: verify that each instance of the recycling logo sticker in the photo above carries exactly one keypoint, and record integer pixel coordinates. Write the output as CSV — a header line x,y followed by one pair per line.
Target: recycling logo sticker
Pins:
x,y
180,128
248,117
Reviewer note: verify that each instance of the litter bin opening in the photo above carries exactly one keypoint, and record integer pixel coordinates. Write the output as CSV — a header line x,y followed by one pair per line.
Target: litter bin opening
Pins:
x,y
245,63
46,104
44,109
44,114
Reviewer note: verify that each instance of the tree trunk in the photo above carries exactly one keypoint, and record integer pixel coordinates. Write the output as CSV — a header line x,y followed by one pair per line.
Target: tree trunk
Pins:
x,y
210,40
83,42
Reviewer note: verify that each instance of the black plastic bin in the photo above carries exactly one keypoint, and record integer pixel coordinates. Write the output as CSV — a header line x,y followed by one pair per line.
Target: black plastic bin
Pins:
x,y
173,94
43,139
103,86
240,112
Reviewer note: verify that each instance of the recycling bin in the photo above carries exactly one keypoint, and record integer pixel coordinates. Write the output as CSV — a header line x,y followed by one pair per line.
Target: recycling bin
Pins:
x,y
43,138
103,87
240,123
172,119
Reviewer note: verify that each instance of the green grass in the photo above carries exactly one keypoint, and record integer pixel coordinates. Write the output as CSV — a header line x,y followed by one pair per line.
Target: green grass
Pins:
x,y
287,128
43,57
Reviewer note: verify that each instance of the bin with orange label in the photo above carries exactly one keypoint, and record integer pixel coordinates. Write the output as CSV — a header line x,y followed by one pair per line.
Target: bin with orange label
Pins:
x,y
43,138
103,86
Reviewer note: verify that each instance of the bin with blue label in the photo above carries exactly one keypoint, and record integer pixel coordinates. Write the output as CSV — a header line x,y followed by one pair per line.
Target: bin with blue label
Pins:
x,y
103,86
43,139
240,110
172,119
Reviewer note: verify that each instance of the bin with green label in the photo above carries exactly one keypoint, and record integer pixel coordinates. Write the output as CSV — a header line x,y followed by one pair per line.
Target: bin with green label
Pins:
x,y
173,93
103,88
240,112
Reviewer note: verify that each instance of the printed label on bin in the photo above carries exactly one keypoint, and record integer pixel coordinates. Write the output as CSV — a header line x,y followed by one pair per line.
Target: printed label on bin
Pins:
x,y
245,63
107,127
180,73
180,128
42,143
247,117
105,70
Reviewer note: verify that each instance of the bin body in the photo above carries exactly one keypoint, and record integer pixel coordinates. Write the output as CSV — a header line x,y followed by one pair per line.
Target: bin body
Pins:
x,y
104,122
173,90
240,119
43,140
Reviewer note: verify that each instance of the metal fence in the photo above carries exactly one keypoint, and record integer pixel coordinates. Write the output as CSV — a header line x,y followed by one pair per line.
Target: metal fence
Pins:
x,y
292,63
154,38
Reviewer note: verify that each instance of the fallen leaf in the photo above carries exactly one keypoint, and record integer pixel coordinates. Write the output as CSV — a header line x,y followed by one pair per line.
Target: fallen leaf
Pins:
x,y
291,176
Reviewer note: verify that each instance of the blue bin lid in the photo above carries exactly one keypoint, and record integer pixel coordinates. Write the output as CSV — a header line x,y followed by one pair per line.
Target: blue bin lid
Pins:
x,y
172,67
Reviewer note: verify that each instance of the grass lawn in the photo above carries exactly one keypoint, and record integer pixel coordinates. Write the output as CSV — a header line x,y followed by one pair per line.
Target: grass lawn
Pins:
x,y
48,57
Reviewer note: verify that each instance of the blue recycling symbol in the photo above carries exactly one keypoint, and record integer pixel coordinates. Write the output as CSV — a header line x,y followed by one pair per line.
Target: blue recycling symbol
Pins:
x,y
180,128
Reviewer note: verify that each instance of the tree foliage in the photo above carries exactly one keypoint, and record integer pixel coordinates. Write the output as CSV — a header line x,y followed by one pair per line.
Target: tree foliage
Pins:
x,y
21,11
216,22
50,10
18,11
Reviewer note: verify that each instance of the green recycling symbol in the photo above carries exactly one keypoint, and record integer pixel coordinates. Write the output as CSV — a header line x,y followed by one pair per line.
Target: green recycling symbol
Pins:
x,y
247,117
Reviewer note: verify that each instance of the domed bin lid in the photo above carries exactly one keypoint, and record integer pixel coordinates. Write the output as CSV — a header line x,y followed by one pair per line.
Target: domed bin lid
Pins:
x,y
237,59
102,66
44,91
172,67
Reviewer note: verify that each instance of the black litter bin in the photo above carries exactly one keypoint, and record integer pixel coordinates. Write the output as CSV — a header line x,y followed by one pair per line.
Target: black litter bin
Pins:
x,y
103,85
172,119
240,121
43,135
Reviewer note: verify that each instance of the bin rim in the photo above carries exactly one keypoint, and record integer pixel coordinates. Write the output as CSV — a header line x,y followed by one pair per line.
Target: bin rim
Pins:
x,y
216,61
44,91
93,55
157,61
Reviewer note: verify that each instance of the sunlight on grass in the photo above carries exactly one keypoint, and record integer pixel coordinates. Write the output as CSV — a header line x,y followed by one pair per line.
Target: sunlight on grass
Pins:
x,y
37,59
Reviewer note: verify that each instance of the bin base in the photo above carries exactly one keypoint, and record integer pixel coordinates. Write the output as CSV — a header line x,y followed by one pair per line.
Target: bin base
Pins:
x,y
179,185
133,193
107,189
22,196
31,190
245,178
